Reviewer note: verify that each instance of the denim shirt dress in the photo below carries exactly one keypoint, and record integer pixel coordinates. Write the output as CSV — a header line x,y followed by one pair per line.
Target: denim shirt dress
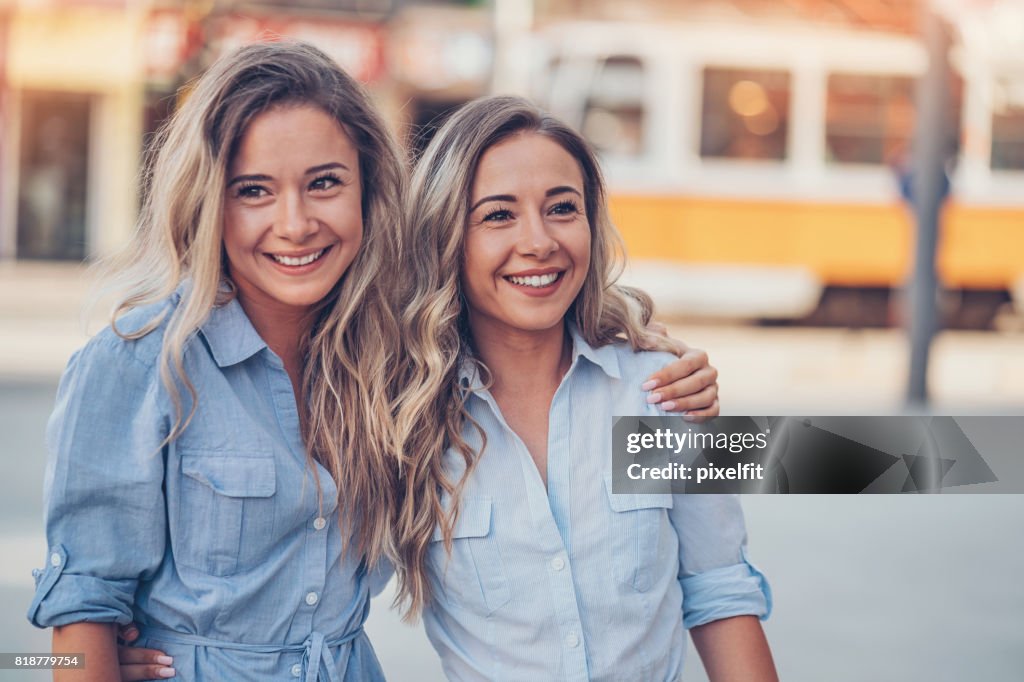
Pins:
x,y
216,544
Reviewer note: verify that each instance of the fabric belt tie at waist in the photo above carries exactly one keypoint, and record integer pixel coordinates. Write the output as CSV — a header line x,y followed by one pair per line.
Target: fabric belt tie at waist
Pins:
x,y
315,650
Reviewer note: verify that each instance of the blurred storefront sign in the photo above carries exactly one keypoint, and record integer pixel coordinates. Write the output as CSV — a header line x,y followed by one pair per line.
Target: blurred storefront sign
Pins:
x,y
172,38
357,47
367,9
165,44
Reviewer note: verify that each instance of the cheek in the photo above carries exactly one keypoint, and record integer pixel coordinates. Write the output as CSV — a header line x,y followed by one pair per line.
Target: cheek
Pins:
x,y
231,239
582,249
350,220
237,229
477,261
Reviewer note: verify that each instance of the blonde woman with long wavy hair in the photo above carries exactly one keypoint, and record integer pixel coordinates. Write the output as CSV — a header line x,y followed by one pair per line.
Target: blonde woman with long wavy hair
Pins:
x,y
519,349
223,469
221,465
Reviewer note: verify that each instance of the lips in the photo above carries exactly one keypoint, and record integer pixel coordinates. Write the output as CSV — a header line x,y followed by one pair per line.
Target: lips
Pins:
x,y
298,260
535,281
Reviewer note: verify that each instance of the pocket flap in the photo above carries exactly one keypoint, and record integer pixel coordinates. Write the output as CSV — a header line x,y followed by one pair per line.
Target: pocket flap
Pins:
x,y
623,502
474,519
232,475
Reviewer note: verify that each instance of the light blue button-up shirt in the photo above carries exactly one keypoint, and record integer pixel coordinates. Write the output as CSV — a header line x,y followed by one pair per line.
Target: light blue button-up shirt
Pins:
x,y
574,582
215,544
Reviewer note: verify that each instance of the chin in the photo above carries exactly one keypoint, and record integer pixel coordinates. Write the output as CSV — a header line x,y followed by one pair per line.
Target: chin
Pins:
x,y
534,324
303,299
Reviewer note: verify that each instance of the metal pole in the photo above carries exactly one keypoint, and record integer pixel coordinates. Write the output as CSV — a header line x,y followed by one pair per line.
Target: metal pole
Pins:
x,y
930,185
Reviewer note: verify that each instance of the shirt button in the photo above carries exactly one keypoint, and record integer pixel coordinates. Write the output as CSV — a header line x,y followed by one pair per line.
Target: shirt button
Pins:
x,y
572,640
557,563
312,598
296,670
320,523
55,559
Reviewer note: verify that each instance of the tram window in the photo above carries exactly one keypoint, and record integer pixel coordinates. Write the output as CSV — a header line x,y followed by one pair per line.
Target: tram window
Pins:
x,y
745,114
613,118
869,119
1008,129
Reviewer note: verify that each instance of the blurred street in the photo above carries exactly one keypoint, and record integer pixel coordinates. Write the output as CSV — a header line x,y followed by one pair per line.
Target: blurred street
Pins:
x,y
866,587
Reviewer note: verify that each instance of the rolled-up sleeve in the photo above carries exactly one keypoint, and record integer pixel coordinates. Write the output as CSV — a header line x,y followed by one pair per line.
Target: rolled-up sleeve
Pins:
x,y
717,578
104,502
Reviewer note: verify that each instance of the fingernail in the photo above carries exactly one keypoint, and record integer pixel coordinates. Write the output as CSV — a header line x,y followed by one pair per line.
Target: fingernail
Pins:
x,y
164,660
653,398
688,417
131,633
648,385
165,672
669,405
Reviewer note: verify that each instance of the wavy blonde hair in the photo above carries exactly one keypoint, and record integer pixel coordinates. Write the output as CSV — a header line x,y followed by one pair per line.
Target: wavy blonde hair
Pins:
x,y
348,351
431,411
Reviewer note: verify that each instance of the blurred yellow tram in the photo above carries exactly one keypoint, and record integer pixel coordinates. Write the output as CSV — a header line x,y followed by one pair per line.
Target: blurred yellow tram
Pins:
x,y
754,169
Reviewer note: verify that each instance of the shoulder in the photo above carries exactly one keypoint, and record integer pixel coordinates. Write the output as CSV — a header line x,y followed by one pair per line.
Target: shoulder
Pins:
x,y
638,365
623,372
114,344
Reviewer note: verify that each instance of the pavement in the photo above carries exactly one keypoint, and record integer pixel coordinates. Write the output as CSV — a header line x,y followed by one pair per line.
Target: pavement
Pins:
x,y
762,369
867,587
41,320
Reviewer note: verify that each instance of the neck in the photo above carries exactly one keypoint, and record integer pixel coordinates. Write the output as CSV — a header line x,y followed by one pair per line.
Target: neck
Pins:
x,y
281,328
522,360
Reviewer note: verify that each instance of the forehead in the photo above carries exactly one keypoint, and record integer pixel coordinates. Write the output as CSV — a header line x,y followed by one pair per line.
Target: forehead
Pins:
x,y
293,133
523,162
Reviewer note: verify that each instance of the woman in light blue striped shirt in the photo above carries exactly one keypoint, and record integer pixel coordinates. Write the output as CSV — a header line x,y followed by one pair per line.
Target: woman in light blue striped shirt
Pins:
x,y
520,345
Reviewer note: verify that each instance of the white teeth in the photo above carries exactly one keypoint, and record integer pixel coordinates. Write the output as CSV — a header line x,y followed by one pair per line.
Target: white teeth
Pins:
x,y
304,260
535,280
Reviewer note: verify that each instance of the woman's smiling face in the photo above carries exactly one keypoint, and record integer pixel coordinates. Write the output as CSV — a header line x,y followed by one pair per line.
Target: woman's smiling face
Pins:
x,y
293,219
527,247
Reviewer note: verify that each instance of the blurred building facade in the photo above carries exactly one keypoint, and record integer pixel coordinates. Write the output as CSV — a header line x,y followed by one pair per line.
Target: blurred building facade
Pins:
x,y
84,83
762,140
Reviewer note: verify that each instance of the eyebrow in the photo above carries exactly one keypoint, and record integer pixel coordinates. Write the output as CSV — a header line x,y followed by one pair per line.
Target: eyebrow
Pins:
x,y
554,191
266,178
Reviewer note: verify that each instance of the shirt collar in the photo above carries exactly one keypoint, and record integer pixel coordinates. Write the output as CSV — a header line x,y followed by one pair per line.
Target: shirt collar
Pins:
x,y
230,334
604,357
469,374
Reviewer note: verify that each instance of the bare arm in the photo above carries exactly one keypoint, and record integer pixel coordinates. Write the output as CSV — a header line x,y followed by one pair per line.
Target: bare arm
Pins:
x,y
97,641
735,650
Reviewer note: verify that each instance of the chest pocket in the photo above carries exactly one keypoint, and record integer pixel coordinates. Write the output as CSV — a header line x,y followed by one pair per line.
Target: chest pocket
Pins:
x,y
473,577
639,523
226,503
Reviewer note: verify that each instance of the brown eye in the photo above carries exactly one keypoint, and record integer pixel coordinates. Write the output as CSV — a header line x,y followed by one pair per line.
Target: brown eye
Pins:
x,y
251,191
566,207
325,182
498,216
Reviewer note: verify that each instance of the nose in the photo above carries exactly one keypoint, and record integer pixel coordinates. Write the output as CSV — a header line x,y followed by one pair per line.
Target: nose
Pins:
x,y
293,220
535,238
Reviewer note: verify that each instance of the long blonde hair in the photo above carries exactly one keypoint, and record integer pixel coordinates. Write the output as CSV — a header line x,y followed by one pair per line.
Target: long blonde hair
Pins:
x,y
348,352
431,409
